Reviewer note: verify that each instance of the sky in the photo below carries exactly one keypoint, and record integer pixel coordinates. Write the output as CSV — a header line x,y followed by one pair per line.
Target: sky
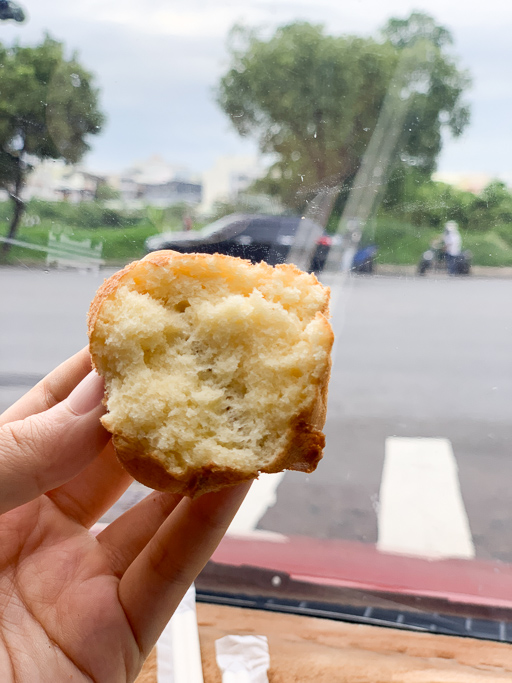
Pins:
x,y
157,63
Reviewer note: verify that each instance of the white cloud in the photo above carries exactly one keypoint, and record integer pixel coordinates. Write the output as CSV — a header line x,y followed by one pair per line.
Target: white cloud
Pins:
x,y
215,17
210,22
157,62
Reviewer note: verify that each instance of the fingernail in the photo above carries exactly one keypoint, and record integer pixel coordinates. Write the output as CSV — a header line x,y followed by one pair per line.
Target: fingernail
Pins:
x,y
87,395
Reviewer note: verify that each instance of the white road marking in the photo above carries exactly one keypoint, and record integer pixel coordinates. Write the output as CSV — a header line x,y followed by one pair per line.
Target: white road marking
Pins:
x,y
261,496
421,511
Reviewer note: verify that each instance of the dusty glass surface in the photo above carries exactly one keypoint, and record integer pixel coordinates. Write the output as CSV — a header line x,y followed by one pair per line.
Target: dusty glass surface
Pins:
x,y
384,131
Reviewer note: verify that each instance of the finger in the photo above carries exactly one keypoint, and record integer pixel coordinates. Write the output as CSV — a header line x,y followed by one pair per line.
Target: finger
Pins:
x,y
51,390
46,450
129,534
90,494
156,581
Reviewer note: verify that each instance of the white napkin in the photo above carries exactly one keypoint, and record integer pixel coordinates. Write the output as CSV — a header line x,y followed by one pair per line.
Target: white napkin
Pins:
x,y
243,659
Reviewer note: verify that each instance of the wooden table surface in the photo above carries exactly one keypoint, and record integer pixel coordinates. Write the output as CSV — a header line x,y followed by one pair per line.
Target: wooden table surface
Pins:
x,y
314,650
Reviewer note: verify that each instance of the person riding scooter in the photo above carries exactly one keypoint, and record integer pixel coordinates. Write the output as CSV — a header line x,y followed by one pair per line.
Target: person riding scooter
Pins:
x,y
452,246
446,252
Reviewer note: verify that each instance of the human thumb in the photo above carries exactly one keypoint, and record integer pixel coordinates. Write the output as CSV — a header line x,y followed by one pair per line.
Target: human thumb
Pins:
x,y
43,451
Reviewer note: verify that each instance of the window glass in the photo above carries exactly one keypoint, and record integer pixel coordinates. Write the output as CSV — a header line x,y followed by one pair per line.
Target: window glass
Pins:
x,y
371,143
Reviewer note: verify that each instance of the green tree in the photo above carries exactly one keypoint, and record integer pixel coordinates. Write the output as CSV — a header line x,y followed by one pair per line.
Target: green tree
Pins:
x,y
438,107
418,26
48,108
313,100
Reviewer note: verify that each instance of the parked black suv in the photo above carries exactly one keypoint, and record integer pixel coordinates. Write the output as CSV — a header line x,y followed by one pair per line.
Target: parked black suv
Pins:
x,y
255,237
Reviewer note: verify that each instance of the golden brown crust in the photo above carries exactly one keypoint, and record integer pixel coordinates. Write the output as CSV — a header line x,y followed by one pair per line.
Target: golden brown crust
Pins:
x,y
164,258
305,442
302,454
148,470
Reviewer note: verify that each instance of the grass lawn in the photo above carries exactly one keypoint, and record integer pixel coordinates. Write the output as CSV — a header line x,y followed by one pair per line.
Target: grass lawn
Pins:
x,y
489,249
119,244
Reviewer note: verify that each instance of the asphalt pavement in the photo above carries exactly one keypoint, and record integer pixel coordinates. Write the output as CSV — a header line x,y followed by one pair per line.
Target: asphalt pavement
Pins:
x,y
414,358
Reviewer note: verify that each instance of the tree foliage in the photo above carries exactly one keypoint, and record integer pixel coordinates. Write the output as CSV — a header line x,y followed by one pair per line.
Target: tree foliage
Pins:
x,y
312,100
403,33
48,110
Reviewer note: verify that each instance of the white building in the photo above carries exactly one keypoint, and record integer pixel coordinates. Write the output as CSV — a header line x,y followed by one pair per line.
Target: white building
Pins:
x,y
43,180
52,180
229,176
156,182
78,185
153,182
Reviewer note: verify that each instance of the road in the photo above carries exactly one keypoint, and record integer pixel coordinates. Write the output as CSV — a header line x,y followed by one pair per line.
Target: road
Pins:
x,y
420,358
414,358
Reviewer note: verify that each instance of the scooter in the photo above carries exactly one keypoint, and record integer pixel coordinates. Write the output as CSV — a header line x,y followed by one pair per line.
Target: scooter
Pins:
x,y
434,259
